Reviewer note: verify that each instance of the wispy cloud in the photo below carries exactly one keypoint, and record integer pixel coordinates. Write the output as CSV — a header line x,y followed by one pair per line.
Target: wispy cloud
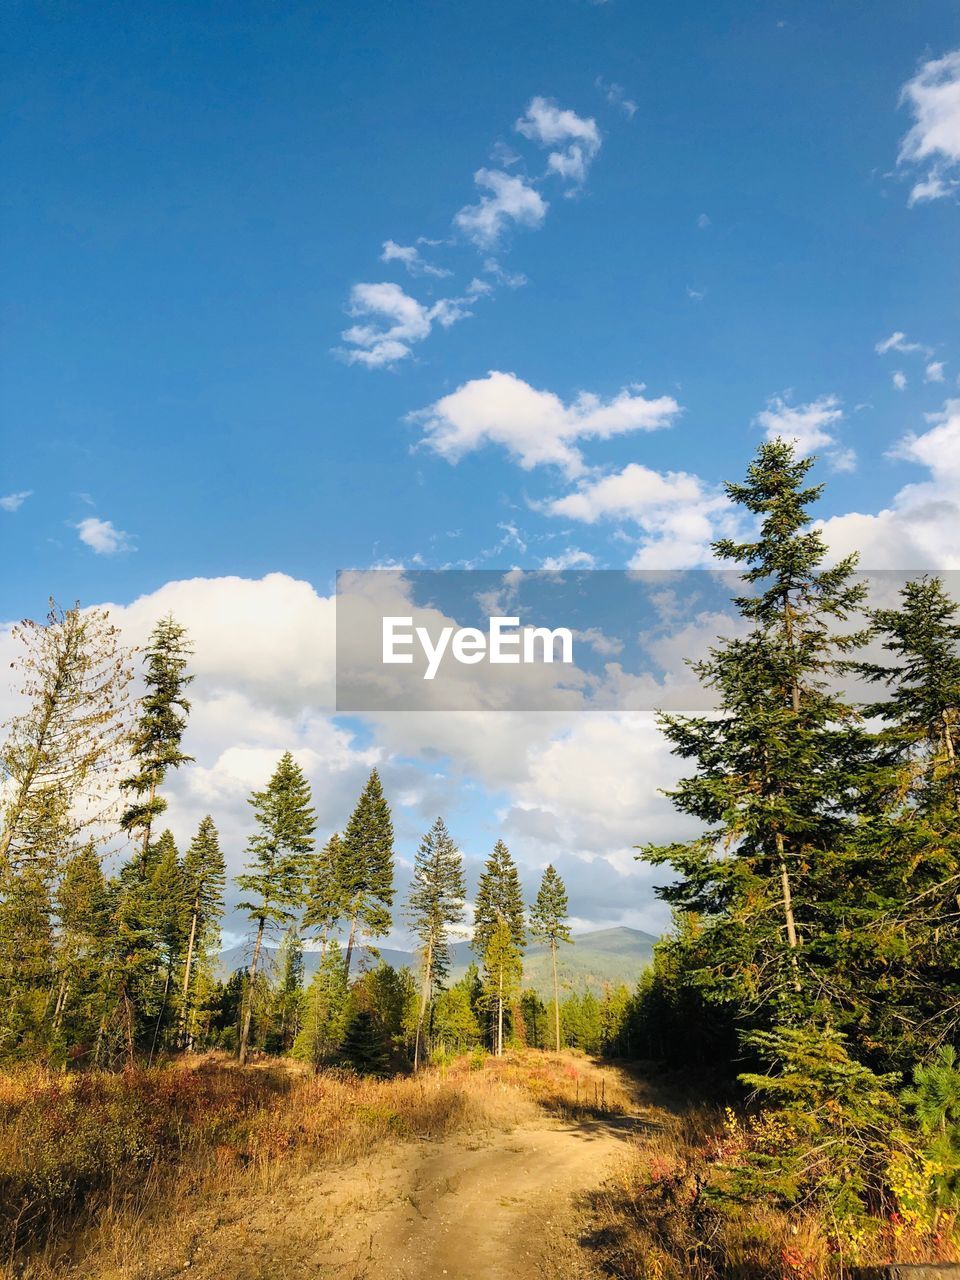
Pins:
x,y
934,371
899,380
102,537
616,96
932,145
575,140
535,427
393,323
412,259
811,426
14,501
898,342
510,201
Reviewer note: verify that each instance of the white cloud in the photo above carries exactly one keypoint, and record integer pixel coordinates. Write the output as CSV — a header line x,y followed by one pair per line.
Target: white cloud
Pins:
x,y
703,221
616,96
677,514
921,527
398,321
14,501
899,380
512,201
534,426
572,558
576,139
101,536
809,425
898,342
412,259
933,142
934,371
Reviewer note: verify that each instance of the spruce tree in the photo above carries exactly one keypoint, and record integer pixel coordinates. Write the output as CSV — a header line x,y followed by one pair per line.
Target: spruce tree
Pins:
x,y
325,1010
436,902
289,987
205,877
170,907
499,932
364,1047
279,860
156,740
366,861
779,766
83,922
548,922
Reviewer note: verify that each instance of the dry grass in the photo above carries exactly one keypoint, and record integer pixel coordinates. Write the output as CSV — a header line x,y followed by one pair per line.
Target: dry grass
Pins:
x,y
108,1166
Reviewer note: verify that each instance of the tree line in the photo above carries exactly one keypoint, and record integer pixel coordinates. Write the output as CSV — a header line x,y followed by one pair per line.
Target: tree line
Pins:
x,y
106,960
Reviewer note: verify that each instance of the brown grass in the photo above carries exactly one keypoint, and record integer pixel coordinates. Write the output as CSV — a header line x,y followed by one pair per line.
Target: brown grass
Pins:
x,y
104,1165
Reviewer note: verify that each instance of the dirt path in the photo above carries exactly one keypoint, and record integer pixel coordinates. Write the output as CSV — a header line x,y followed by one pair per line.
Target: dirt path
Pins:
x,y
474,1207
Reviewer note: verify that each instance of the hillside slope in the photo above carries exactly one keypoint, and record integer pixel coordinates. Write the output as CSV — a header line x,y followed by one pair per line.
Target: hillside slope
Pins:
x,y
596,958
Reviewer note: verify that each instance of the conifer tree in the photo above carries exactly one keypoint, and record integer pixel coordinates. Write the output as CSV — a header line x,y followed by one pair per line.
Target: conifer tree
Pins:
x,y
499,932
205,877
364,1048
366,862
156,740
290,987
170,907
548,922
777,768
436,902
83,919
280,851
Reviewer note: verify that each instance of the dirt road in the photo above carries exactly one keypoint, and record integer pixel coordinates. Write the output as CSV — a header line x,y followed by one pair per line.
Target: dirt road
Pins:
x,y
474,1207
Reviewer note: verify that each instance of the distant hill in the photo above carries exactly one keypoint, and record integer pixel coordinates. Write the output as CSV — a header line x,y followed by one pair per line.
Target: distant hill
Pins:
x,y
605,955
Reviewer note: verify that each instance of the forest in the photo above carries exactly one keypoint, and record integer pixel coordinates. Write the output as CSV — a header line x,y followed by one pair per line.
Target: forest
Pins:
x,y
805,1001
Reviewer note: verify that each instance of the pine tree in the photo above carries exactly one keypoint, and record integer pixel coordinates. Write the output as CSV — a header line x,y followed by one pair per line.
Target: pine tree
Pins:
x,y
290,987
83,920
367,866
280,852
364,1048
499,933
57,761
170,904
777,769
205,877
156,741
436,902
548,922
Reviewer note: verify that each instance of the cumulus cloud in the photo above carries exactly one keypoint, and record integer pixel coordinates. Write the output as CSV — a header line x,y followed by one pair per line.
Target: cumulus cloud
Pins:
x,y
575,140
899,380
921,527
511,201
678,516
102,537
810,426
393,323
932,145
934,371
534,426
14,501
411,258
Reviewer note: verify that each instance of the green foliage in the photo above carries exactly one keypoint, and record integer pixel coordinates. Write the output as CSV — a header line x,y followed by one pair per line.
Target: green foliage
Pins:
x,y
281,846
436,899
364,1045
325,1013
366,862
934,1100
156,740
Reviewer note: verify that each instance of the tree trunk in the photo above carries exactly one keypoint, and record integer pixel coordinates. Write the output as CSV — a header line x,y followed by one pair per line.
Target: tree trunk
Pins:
x,y
248,1013
163,1005
556,991
788,910
424,1001
350,941
500,1015
147,827
184,1016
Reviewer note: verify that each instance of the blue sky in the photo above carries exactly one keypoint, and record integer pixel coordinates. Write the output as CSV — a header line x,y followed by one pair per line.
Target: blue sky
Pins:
x,y
720,202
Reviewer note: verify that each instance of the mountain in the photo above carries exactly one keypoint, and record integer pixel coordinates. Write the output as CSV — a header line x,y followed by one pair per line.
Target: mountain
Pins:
x,y
605,955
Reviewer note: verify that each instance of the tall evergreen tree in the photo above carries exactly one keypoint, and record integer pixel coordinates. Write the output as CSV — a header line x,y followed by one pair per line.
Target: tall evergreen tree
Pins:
x,y
280,852
83,919
170,905
289,987
548,922
436,902
366,862
156,740
778,767
325,1012
205,877
499,932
